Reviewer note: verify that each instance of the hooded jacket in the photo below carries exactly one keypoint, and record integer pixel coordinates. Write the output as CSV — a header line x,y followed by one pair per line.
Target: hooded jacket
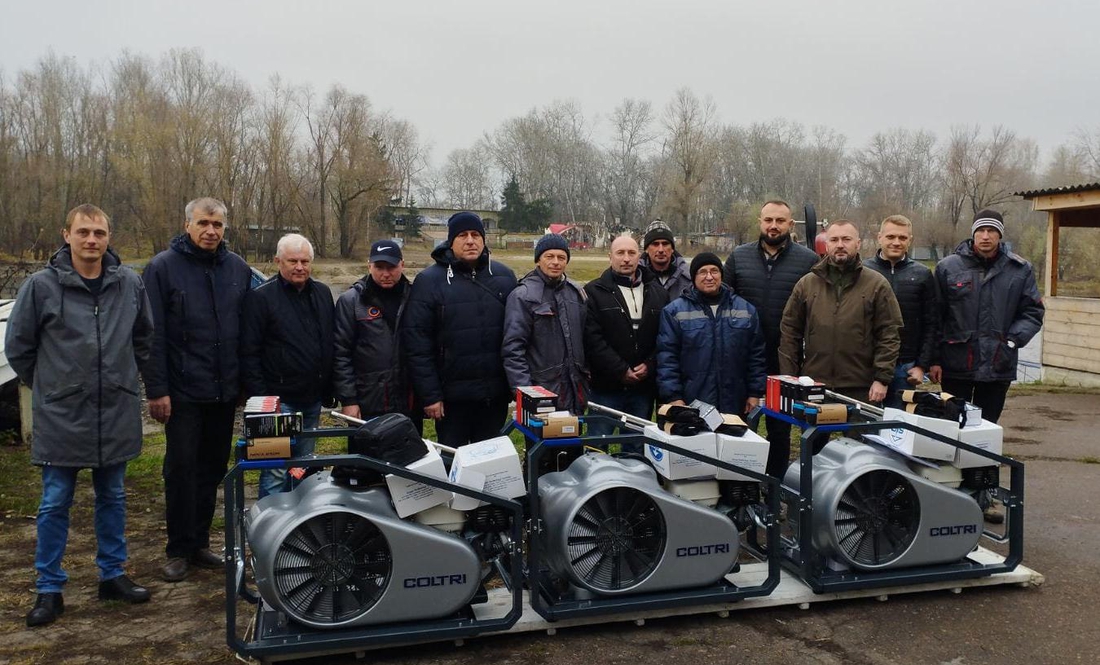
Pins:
x,y
544,339
985,304
611,344
677,280
851,334
716,357
81,353
747,273
915,288
367,368
196,298
282,352
453,329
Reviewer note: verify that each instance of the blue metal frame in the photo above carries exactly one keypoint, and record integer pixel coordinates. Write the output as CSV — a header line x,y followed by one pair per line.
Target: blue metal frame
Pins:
x,y
542,600
809,565
272,637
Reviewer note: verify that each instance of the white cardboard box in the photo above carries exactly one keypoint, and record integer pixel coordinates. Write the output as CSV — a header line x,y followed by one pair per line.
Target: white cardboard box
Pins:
x,y
749,450
675,466
987,436
919,445
412,496
491,466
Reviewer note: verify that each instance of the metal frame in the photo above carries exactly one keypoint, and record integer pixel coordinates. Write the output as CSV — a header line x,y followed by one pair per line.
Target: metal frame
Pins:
x,y
272,637
542,599
805,561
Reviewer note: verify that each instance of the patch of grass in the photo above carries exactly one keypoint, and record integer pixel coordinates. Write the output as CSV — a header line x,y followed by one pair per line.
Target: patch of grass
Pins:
x,y
20,483
1091,460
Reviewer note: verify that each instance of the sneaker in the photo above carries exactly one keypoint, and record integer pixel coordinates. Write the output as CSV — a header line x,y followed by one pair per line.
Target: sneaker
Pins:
x,y
47,607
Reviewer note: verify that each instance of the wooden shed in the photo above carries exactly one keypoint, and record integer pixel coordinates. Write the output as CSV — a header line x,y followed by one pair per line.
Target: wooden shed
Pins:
x,y
1071,329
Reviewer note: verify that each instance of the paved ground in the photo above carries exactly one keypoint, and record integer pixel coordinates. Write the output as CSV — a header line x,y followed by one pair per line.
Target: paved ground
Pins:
x,y
1054,433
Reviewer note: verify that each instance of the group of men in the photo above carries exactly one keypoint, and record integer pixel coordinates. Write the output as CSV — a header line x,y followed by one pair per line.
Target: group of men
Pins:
x,y
453,344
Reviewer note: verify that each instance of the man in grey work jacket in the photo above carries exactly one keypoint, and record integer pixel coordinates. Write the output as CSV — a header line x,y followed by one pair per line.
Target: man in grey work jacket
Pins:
x,y
76,336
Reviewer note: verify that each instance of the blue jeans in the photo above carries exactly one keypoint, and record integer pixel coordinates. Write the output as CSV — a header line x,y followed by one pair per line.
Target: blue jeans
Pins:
x,y
58,485
636,404
900,383
276,480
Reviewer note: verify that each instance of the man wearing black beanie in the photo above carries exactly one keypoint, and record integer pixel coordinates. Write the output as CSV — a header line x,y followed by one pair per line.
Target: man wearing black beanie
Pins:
x,y
710,345
660,256
452,332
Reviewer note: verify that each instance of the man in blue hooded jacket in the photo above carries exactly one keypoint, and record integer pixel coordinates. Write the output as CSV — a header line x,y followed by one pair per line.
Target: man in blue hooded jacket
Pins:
x,y
710,345
453,331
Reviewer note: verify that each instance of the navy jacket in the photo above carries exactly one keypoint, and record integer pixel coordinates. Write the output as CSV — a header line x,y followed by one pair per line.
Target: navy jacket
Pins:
x,y
919,299
716,358
368,370
986,304
544,339
196,299
747,274
453,329
286,348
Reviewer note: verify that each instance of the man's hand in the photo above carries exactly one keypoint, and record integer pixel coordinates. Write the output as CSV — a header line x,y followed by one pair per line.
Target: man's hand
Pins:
x,y
641,371
877,393
751,403
636,374
351,410
434,410
161,409
916,376
936,372
678,402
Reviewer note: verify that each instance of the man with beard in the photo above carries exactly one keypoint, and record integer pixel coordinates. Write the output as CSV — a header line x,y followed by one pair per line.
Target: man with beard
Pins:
x,y
764,273
848,319
620,335
664,261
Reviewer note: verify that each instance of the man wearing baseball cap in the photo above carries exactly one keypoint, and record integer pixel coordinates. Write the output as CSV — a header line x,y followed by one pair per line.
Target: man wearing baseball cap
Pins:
x,y
368,372
660,256
991,306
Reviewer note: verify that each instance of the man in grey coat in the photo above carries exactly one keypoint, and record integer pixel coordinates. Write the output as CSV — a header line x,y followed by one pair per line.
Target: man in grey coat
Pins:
x,y
544,328
77,334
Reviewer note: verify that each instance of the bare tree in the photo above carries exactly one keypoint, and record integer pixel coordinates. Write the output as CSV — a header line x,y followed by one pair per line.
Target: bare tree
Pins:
x,y
689,148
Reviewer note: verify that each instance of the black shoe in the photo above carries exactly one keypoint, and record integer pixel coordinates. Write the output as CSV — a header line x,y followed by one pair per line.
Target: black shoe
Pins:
x,y
47,607
123,588
175,570
204,558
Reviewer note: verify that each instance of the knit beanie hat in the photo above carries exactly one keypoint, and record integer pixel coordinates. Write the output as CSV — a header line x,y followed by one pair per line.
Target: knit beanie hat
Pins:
x,y
552,241
464,221
988,217
658,230
704,259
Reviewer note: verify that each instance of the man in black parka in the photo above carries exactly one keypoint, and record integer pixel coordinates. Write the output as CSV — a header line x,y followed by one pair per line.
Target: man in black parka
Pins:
x,y
453,334
764,273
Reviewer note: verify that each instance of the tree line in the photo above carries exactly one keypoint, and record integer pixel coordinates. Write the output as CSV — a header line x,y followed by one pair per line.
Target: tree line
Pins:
x,y
140,136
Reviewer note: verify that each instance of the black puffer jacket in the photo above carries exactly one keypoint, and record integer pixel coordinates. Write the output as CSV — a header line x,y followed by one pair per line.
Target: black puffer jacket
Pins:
x,y
677,280
747,274
986,304
915,287
283,353
544,338
367,367
196,298
453,328
611,344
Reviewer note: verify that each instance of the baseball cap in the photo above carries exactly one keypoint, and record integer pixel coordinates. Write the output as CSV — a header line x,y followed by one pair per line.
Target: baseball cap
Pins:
x,y
385,251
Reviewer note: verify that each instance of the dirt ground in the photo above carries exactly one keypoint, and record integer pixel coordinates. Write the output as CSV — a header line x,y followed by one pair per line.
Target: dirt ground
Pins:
x,y
1055,433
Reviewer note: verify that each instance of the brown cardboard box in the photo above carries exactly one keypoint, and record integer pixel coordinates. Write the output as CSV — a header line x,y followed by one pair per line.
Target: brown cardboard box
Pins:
x,y
277,447
560,427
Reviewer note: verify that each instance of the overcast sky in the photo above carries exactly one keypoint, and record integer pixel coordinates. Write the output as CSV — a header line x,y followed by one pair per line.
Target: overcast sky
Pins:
x,y
456,69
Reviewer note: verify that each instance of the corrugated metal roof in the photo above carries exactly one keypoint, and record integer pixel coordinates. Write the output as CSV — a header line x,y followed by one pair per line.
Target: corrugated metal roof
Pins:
x,y
1067,189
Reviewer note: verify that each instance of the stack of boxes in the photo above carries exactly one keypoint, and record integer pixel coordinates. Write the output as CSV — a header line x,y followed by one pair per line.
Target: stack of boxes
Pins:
x,y
804,399
537,407
267,432
748,450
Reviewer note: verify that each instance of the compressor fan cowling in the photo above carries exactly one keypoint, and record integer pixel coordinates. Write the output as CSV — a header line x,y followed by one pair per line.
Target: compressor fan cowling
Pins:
x,y
610,529
330,556
872,512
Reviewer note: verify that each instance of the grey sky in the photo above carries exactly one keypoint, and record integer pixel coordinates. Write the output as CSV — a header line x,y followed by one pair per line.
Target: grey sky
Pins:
x,y
457,69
